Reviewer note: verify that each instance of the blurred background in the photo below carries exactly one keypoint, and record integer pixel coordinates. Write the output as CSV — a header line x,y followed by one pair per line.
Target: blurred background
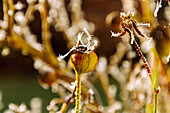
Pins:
x,y
18,77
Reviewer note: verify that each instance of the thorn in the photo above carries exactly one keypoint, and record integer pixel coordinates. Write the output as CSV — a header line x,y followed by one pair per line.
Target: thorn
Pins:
x,y
158,90
133,39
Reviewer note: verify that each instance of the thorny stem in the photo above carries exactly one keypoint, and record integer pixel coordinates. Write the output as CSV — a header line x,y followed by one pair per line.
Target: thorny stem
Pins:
x,y
78,92
64,107
128,25
142,57
156,90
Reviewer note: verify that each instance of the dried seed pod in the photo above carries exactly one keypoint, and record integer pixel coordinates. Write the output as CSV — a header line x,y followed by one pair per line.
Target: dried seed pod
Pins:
x,y
83,62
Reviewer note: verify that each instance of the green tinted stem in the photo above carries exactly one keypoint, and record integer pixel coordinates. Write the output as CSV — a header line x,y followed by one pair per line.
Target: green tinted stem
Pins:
x,y
155,102
78,92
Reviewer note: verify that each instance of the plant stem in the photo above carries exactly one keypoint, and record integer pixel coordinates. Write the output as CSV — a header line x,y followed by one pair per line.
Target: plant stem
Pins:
x,y
48,50
78,92
11,19
65,104
5,10
155,102
156,91
143,59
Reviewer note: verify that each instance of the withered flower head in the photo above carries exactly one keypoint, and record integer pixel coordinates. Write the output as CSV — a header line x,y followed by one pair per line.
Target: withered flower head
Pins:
x,y
129,25
124,16
83,59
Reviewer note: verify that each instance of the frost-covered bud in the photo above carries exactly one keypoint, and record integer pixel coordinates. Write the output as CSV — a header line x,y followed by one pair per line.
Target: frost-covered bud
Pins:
x,y
83,59
83,62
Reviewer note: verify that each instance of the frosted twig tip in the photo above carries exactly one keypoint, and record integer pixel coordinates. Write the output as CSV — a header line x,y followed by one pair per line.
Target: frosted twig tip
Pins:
x,y
60,58
115,34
